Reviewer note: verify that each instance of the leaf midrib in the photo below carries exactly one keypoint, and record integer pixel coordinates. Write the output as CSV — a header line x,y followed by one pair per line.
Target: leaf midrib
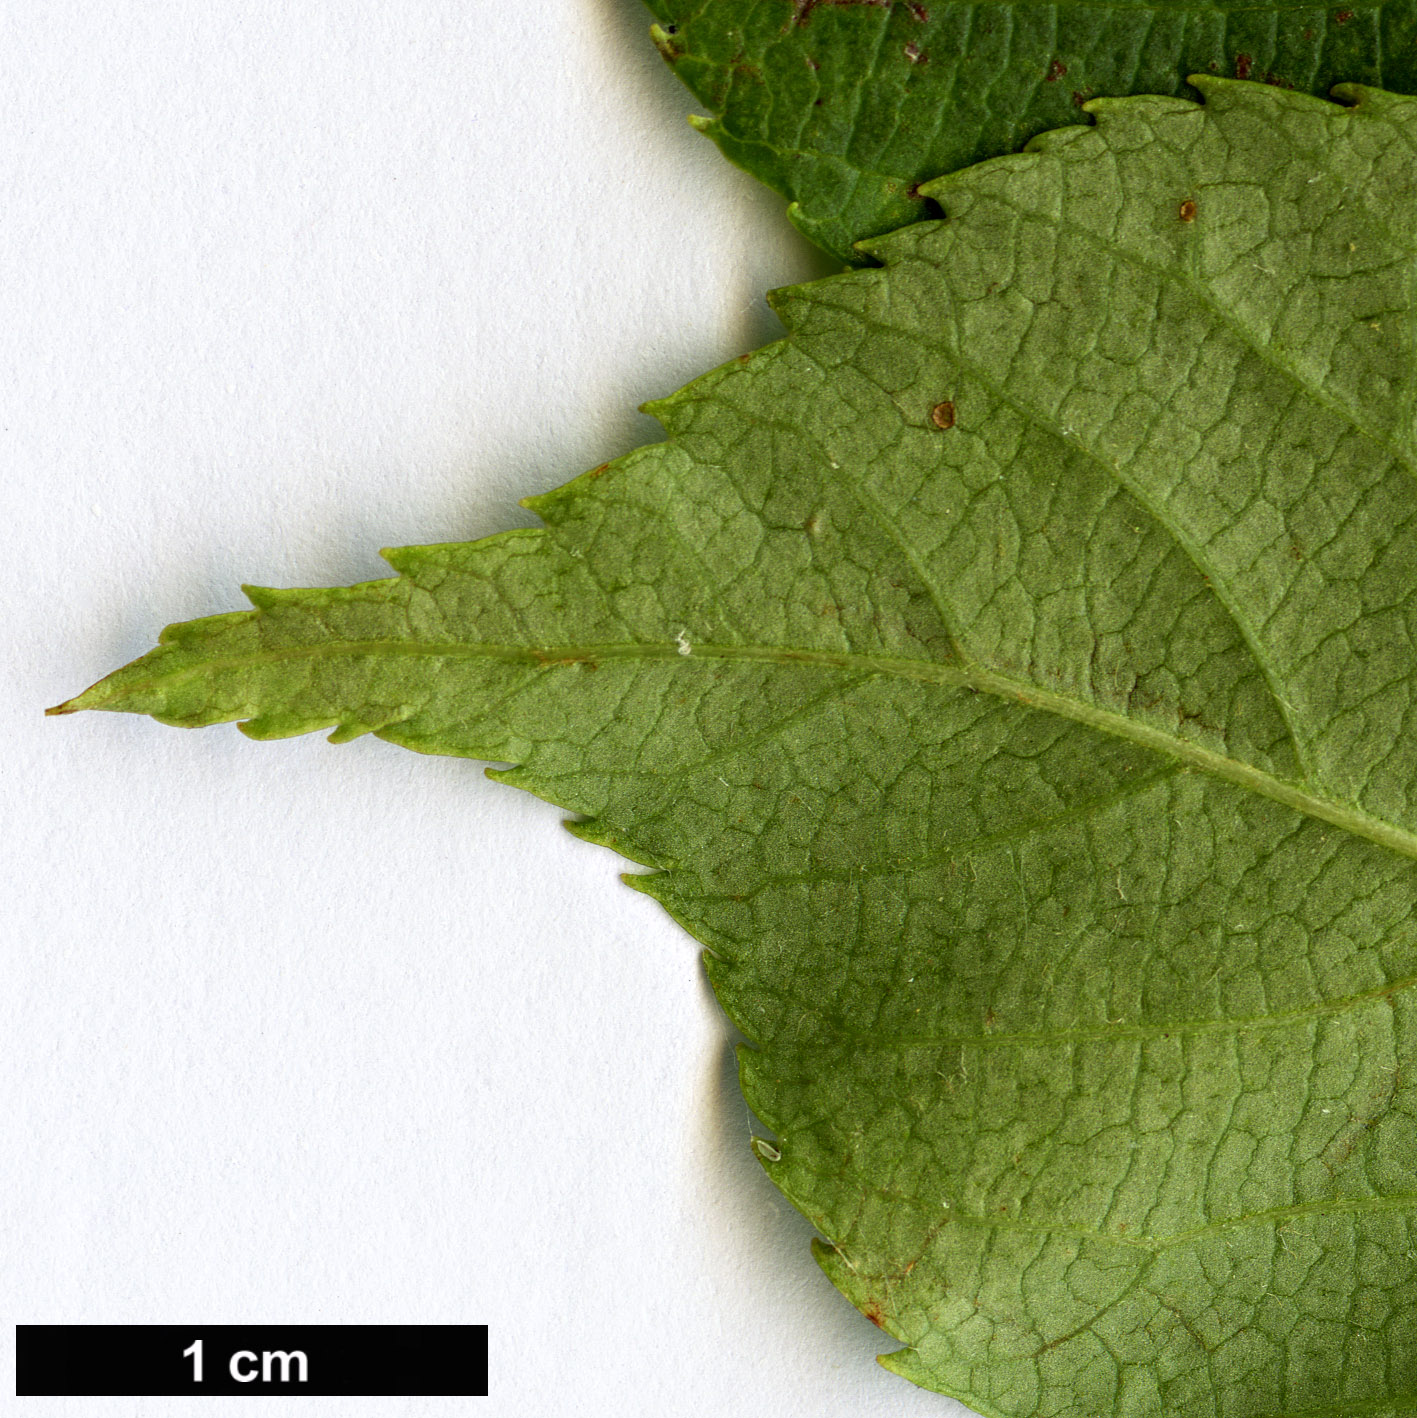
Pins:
x,y
1346,816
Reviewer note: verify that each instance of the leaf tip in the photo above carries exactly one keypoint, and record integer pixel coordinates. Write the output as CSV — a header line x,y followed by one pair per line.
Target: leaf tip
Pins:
x,y
94,697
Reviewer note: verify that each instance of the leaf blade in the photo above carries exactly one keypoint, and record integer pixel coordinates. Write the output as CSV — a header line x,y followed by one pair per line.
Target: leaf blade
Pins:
x,y
986,763
844,108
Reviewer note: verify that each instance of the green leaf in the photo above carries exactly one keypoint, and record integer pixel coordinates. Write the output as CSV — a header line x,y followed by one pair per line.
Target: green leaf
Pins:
x,y
1011,677
845,106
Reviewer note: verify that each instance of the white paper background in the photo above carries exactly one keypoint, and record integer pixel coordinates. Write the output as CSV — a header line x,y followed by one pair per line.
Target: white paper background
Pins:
x,y
305,1034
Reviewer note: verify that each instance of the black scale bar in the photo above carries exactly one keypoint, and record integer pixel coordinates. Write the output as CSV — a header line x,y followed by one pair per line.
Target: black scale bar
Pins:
x,y
321,1360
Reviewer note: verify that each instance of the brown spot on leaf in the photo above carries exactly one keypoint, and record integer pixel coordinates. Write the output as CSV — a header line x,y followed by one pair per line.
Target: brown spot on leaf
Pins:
x,y
744,358
873,1312
1188,210
915,54
596,472
918,11
1341,17
943,414
1243,65
1056,70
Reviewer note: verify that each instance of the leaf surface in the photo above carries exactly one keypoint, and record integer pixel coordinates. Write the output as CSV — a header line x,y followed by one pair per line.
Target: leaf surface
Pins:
x,y
1010,676
845,106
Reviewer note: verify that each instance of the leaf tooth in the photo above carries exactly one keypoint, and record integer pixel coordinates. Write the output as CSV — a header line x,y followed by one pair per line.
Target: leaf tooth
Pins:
x,y
286,725
590,829
352,728
546,505
1131,120
273,598
551,788
194,633
837,1267
909,1365
1150,107
757,1087
654,884
857,1288
1223,94
511,776
664,42
1375,102
889,247
833,1264
718,966
790,303
407,561
598,834
199,719
557,503
1055,139
264,598
664,411
412,562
